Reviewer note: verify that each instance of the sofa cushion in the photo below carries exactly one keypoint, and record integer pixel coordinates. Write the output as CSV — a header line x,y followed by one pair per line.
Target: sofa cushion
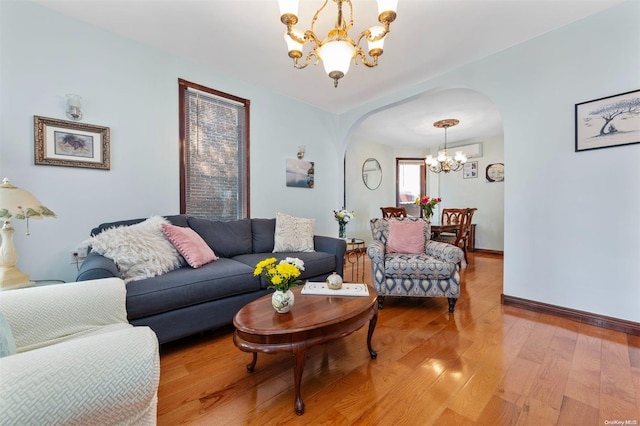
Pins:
x,y
406,237
190,245
380,227
263,231
315,263
417,266
186,287
293,234
226,238
140,251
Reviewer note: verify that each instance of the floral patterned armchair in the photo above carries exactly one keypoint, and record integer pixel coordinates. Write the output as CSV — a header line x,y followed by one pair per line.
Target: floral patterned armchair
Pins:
x,y
433,273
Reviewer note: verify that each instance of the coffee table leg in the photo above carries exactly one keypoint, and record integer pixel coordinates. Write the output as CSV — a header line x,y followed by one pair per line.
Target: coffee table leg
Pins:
x,y
252,365
372,327
299,359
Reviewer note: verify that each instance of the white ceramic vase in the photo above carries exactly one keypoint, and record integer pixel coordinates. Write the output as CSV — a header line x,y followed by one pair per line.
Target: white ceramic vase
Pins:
x,y
282,302
334,281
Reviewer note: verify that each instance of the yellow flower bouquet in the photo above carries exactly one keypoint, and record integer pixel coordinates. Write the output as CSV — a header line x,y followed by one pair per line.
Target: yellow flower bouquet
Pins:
x,y
281,276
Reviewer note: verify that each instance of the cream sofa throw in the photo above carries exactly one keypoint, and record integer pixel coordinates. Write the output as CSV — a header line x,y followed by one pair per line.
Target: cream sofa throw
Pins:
x,y
79,361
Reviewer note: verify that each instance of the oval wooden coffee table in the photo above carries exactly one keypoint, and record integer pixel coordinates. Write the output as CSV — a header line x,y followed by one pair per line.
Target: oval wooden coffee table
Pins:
x,y
312,321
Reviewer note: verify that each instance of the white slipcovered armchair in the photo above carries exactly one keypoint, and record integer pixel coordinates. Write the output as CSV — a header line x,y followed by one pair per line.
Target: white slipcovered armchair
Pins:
x,y
78,359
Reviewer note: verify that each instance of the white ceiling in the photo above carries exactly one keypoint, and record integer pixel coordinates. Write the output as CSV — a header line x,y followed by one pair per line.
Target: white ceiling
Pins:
x,y
410,124
243,38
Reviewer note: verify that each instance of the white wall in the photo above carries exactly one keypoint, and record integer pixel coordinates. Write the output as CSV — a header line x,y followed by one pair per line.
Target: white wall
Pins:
x,y
363,201
133,89
557,250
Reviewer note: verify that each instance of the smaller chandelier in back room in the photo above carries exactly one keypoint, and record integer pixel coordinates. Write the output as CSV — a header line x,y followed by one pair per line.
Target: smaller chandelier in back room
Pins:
x,y
444,163
337,50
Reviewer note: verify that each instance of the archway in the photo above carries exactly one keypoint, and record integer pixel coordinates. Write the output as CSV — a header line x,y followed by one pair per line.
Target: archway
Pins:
x,y
405,129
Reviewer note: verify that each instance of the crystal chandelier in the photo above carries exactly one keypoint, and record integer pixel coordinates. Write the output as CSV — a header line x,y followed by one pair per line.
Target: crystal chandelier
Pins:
x,y
444,163
338,49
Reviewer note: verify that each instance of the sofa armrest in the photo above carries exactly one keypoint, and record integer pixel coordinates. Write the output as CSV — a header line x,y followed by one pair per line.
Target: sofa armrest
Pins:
x,y
444,251
376,251
110,378
42,316
96,266
335,246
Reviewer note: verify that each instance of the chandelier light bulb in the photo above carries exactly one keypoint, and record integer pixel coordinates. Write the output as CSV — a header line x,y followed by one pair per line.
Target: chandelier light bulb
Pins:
x,y
294,47
288,7
376,47
430,161
387,6
288,12
336,57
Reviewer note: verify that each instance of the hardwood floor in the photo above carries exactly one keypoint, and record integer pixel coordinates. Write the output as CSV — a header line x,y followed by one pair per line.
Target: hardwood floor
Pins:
x,y
485,364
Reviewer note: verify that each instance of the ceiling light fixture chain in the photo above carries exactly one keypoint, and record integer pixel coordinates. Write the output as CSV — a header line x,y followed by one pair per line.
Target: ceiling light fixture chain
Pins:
x,y
337,50
444,163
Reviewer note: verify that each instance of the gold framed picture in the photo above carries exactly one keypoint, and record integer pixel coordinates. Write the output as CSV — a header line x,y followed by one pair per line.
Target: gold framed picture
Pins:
x,y
71,144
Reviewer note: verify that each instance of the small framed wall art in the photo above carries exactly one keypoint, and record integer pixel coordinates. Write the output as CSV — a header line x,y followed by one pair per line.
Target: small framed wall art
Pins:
x,y
470,170
300,173
607,122
71,144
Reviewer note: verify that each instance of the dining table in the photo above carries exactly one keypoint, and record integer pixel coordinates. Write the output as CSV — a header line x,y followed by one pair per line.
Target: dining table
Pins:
x,y
437,229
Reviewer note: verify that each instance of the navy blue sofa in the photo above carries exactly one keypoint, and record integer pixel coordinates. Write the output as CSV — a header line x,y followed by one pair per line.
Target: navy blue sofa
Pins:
x,y
187,301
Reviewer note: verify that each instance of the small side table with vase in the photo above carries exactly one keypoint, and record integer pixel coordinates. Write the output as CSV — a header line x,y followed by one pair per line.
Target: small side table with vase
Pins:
x,y
356,251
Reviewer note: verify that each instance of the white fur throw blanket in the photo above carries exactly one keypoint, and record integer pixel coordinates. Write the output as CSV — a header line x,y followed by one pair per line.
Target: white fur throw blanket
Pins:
x,y
140,251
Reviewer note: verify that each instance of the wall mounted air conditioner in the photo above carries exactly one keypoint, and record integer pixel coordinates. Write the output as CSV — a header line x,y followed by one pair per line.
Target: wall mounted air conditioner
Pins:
x,y
471,151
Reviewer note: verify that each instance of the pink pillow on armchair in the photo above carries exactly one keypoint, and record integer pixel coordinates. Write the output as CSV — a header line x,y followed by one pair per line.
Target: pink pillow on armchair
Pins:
x,y
190,245
406,237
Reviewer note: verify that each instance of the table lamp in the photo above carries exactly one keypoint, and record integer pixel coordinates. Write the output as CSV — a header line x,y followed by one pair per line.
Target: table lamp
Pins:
x,y
15,203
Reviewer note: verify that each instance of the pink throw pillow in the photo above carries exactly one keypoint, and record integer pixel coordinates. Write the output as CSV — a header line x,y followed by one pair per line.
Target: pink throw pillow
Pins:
x,y
406,237
190,245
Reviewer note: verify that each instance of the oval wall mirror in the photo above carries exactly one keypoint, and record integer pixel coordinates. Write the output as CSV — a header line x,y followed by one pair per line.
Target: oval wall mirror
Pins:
x,y
371,173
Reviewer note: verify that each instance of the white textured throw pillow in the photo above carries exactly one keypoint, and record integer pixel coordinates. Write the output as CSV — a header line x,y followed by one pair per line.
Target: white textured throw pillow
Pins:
x,y
293,234
140,251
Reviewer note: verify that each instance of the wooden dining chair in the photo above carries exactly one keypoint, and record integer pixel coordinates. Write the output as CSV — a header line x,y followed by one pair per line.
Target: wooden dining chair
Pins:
x,y
452,216
467,229
388,212
462,218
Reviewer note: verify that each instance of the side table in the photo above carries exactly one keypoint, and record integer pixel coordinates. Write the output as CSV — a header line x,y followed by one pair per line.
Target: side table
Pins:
x,y
356,251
